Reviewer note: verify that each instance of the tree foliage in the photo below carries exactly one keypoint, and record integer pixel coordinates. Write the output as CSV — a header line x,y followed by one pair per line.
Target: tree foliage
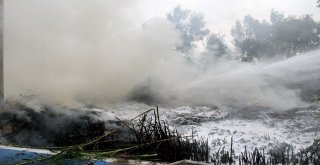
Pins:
x,y
193,32
215,48
282,36
191,27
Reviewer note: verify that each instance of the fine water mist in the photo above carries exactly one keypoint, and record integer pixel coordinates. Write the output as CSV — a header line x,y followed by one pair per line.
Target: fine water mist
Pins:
x,y
282,84
72,52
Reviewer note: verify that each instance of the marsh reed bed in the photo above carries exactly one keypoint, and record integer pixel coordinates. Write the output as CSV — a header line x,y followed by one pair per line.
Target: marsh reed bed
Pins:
x,y
283,154
145,136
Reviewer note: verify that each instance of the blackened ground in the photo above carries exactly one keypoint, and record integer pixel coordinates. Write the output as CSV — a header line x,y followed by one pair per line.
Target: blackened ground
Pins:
x,y
50,127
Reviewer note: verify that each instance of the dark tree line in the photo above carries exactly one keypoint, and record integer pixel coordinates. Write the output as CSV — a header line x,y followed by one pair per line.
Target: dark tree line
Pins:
x,y
281,36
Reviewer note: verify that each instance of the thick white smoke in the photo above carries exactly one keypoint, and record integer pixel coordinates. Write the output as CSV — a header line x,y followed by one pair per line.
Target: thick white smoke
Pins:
x,y
278,84
67,51
71,52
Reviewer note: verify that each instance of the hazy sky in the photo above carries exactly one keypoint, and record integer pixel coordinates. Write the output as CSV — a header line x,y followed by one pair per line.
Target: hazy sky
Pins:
x,y
220,15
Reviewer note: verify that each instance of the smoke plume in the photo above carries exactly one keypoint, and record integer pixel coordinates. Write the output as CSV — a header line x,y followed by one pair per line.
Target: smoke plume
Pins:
x,y
80,52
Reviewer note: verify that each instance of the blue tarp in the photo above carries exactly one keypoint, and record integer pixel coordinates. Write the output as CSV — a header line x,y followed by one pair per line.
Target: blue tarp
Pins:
x,y
14,155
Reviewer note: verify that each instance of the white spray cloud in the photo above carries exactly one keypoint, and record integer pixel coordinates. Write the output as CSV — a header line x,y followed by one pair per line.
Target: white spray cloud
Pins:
x,y
278,84
70,52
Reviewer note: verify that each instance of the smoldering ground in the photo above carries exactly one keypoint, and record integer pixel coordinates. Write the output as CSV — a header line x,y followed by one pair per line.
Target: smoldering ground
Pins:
x,y
62,55
79,52
25,123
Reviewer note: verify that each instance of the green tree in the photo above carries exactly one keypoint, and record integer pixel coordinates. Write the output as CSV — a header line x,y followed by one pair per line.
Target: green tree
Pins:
x,y
282,36
215,48
190,26
192,31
